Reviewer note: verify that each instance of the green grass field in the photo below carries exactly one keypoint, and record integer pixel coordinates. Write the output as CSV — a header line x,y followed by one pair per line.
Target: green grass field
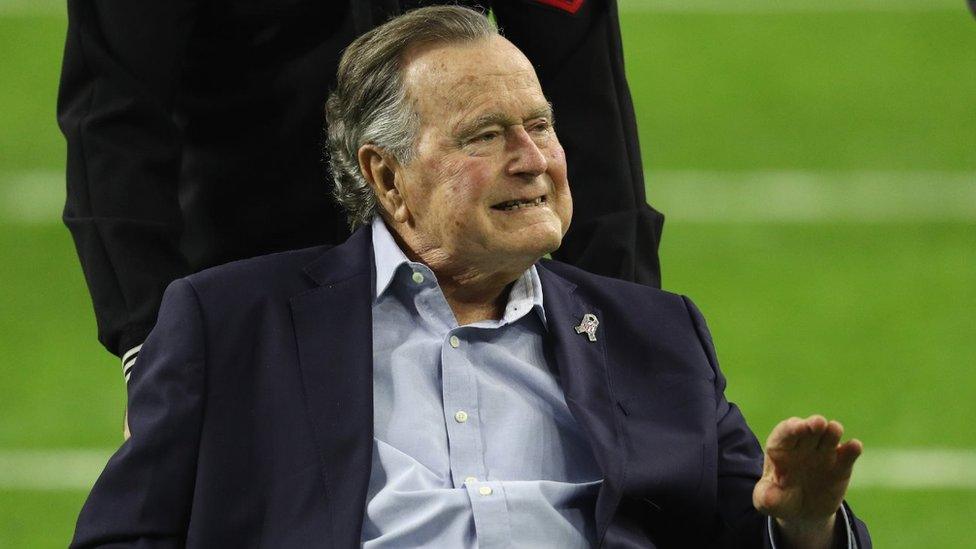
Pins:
x,y
866,318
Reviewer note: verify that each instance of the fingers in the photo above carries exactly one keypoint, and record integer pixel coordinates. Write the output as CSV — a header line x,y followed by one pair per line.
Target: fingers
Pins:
x,y
799,434
796,436
785,435
806,470
831,436
767,496
811,432
848,453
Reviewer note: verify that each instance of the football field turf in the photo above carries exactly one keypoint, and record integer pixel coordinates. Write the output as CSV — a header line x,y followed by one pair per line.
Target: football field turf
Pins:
x,y
817,163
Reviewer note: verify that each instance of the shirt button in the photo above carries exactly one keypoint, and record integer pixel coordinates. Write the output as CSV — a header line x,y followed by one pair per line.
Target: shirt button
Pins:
x,y
461,416
470,480
418,278
485,490
455,342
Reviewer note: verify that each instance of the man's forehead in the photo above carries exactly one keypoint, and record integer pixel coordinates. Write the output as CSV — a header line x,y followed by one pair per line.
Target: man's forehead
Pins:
x,y
462,87
492,62
471,78
483,53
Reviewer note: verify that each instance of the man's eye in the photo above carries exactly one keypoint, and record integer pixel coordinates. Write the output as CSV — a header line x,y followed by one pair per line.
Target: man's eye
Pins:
x,y
541,126
486,137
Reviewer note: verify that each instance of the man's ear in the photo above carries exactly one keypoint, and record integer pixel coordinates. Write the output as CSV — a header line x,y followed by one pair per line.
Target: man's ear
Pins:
x,y
379,167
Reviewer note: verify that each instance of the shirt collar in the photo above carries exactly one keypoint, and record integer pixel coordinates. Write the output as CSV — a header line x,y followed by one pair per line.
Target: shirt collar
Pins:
x,y
526,293
387,255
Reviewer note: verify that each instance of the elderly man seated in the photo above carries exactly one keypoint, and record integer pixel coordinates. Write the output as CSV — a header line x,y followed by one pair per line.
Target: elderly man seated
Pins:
x,y
432,382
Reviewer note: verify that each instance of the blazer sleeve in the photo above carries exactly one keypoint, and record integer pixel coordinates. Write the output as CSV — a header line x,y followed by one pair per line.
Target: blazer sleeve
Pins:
x,y
119,81
579,59
740,461
143,497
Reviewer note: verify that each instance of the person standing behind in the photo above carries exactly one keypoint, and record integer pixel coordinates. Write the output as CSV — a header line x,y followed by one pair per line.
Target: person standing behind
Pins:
x,y
194,138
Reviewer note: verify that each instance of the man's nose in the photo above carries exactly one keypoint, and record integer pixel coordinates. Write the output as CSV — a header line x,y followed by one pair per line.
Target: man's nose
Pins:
x,y
527,158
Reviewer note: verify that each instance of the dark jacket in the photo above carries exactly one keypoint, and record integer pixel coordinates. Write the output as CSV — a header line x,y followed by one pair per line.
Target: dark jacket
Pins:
x,y
251,412
194,137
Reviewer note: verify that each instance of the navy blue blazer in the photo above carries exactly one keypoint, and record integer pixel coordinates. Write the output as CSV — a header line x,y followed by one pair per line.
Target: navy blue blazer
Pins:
x,y
252,422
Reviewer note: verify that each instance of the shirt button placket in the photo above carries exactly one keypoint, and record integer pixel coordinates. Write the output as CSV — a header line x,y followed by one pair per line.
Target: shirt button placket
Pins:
x,y
491,521
461,402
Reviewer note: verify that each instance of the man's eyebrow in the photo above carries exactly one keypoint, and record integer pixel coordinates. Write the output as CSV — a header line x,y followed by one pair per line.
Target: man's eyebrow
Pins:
x,y
543,111
470,128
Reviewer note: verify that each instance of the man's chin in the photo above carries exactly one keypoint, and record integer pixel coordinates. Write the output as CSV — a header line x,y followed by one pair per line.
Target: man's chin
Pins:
x,y
533,250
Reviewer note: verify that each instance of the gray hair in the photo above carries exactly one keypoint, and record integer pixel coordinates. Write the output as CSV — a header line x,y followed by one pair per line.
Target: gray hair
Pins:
x,y
369,104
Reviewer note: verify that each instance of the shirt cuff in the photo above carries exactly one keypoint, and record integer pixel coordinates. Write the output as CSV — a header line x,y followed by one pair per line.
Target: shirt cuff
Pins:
x,y
849,536
129,361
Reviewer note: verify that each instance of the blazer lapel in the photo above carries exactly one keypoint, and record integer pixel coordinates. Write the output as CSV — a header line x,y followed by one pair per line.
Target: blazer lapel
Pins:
x,y
582,366
333,329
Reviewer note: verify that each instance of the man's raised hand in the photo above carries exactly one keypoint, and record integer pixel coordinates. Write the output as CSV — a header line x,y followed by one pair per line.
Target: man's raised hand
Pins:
x,y
804,479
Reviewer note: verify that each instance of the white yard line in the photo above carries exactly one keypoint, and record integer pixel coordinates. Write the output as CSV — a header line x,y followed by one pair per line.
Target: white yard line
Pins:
x,y
814,197
32,8
885,468
66,469
31,197
916,469
37,197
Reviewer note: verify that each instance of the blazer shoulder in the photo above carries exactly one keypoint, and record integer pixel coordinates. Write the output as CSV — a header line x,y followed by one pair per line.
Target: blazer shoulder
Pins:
x,y
651,322
601,289
281,272
640,307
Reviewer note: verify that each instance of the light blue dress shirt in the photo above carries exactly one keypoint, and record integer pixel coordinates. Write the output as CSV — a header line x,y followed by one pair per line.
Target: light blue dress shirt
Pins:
x,y
474,445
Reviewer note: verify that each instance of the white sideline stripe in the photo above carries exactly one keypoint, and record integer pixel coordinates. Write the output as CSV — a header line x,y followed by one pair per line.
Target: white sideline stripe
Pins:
x,y
33,8
32,197
916,469
67,469
37,197
884,468
29,8
813,197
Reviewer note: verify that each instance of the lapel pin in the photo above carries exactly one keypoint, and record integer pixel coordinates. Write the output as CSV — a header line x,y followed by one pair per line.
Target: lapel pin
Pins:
x,y
588,326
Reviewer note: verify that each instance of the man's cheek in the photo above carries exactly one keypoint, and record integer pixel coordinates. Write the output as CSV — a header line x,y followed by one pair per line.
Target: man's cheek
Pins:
x,y
452,168
567,216
556,152
469,194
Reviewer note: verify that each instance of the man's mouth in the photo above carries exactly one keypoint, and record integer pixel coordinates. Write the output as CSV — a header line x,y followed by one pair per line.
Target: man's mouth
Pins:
x,y
519,204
